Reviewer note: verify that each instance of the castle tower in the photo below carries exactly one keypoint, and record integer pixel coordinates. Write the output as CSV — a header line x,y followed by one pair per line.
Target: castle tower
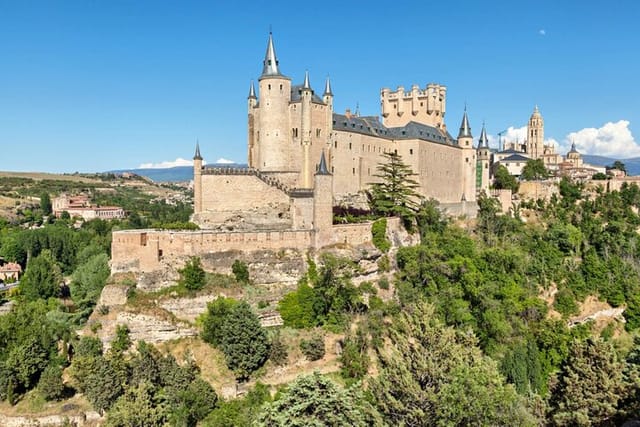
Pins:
x,y
327,98
535,135
197,181
468,160
252,101
482,175
323,204
271,137
305,130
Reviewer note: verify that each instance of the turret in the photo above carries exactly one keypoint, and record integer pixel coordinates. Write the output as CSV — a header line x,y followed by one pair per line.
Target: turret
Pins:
x,y
306,93
323,204
468,160
252,102
327,96
483,163
273,147
197,181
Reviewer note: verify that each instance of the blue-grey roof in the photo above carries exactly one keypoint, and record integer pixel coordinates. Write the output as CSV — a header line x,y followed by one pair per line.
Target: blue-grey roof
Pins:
x,y
371,125
510,151
296,92
515,158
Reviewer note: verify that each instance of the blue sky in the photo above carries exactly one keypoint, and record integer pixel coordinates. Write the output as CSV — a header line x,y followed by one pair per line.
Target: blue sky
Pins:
x,y
93,85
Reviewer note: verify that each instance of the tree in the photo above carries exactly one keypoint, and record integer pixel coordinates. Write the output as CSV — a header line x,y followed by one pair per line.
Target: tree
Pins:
x,y
241,271
316,401
433,375
618,165
102,386
533,170
395,194
313,348
50,385
137,407
589,385
88,280
503,180
215,317
45,204
243,341
121,342
192,276
42,278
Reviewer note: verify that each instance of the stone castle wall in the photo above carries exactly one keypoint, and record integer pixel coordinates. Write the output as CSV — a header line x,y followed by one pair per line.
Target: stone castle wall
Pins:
x,y
148,250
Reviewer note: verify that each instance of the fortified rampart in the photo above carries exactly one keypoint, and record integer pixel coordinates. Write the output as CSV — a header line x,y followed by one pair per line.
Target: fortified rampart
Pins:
x,y
142,251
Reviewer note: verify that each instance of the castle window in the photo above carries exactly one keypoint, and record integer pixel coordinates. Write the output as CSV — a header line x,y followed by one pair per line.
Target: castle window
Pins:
x,y
410,150
334,122
349,146
422,104
269,86
404,132
353,125
281,87
466,159
335,144
354,171
395,151
332,169
318,133
368,171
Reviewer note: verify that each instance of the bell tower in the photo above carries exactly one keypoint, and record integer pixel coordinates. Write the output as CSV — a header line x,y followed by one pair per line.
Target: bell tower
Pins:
x,y
535,135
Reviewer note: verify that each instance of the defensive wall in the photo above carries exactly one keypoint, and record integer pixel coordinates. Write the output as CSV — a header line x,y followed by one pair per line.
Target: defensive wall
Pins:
x,y
142,251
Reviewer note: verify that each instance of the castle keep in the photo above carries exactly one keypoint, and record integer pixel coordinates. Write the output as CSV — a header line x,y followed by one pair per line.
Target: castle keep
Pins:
x,y
303,158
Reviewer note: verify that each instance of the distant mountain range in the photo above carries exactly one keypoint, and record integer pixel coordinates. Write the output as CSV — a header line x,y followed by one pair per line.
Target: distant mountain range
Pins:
x,y
175,174
185,173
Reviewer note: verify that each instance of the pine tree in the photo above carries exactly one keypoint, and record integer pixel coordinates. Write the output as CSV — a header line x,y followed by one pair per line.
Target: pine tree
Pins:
x,y
395,194
589,385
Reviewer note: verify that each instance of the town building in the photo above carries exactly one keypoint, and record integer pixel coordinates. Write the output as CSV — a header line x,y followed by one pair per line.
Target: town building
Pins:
x,y
80,206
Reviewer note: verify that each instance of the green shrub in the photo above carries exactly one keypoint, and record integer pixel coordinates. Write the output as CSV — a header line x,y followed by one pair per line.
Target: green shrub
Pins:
x,y
384,264
379,235
313,348
241,271
50,384
565,302
278,353
383,283
192,276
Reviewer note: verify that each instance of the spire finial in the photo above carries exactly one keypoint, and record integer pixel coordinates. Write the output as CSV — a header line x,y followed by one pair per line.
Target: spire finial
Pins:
x,y
322,167
483,142
306,80
197,156
357,109
465,129
252,91
270,64
327,88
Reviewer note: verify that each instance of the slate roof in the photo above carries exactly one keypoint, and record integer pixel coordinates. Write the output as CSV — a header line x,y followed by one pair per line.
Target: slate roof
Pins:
x,y
296,91
515,158
371,125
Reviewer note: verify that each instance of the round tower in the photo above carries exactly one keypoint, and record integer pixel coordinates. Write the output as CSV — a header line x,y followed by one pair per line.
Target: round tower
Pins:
x,y
252,154
484,154
197,181
467,160
305,132
274,150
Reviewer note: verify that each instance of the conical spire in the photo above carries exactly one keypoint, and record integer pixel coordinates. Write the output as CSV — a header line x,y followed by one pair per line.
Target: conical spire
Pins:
x,y
197,156
252,91
465,129
573,147
270,67
483,142
327,88
322,167
306,84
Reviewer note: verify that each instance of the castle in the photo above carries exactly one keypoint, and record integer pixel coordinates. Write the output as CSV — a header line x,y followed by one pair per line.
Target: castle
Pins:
x,y
303,159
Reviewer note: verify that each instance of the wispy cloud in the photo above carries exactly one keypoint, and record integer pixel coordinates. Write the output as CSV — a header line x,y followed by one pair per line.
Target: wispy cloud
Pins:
x,y
224,161
542,32
167,164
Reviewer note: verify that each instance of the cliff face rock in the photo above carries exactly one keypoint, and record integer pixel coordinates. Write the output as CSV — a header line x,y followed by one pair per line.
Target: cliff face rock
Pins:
x,y
187,309
153,329
90,418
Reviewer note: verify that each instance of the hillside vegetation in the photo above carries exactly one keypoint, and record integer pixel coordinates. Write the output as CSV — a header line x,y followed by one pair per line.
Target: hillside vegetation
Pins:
x,y
482,323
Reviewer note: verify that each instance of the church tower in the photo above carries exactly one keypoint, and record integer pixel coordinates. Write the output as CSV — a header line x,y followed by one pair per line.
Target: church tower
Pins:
x,y
484,154
468,160
271,135
535,135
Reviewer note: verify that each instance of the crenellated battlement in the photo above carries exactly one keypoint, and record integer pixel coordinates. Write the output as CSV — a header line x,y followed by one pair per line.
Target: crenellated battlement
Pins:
x,y
427,106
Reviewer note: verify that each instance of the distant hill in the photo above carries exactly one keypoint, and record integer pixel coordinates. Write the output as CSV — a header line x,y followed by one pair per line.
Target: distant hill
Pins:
x,y
632,165
176,174
185,173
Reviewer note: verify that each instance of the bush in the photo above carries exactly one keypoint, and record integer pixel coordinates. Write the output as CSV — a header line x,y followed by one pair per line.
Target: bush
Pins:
x,y
354,359
313,348
50,384
192,276
212,321
278,353
241,271
565,302
379,235
383,283
121,342
384,264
